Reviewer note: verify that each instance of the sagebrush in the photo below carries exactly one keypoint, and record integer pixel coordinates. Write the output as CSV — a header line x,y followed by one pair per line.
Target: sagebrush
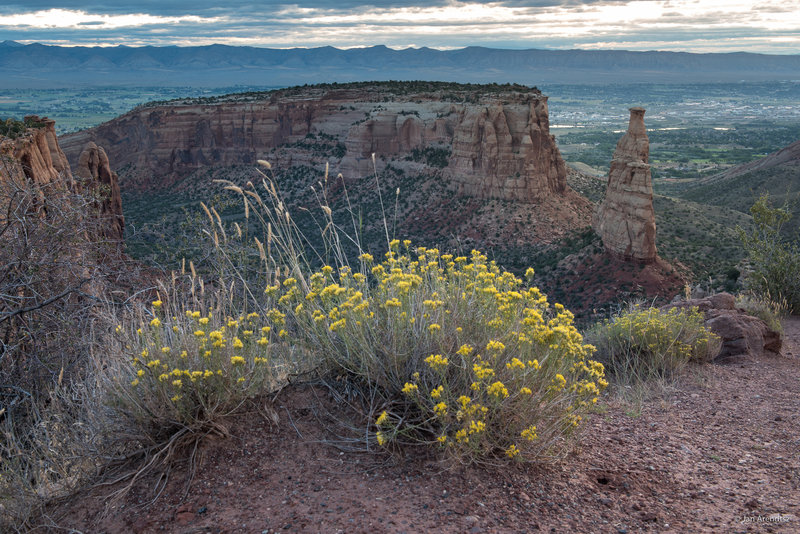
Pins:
x,y
647,343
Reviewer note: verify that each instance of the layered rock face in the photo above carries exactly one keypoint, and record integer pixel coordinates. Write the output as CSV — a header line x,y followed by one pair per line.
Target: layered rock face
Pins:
x,y
93,169
506,151
626,220
37,157
496,139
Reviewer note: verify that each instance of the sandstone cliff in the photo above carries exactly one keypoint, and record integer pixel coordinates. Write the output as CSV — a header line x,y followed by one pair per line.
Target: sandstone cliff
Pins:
x,y
625,220
496,139
37,157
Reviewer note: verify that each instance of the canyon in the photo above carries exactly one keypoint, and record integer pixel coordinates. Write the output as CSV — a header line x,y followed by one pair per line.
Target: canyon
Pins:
x,y
471,166
465,166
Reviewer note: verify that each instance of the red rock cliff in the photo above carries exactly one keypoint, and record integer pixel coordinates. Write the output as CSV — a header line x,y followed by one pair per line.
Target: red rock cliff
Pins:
x,y
498,139
505,150
36,155
94,170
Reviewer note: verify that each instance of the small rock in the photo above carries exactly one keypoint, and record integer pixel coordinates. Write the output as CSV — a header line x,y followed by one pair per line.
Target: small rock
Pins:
x,y
649,516
184,517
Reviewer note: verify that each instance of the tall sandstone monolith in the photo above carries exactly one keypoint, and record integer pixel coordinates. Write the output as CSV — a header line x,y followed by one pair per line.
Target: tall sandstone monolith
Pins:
x,y
625,220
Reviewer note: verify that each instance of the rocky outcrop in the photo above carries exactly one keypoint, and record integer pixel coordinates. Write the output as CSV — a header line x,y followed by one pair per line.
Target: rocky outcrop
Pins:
x,y
37,157
506,151
495,139
626,220
94,171
742,335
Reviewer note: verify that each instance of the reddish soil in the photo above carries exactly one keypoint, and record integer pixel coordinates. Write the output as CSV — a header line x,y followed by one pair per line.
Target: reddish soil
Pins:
x,y
719,453
596,279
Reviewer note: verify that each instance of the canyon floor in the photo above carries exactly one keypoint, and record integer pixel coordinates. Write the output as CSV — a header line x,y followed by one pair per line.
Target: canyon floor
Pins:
x,y
718,452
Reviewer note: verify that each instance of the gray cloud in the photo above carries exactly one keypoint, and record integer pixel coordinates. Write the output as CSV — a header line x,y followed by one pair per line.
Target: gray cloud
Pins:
x,y
682,25
210,7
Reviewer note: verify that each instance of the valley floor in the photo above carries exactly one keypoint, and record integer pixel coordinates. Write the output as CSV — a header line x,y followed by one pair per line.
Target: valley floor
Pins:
x,y
718,453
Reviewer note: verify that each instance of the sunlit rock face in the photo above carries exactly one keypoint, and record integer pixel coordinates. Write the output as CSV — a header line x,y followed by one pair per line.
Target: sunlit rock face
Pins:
x,y
495,140
626,220
504,150
36,155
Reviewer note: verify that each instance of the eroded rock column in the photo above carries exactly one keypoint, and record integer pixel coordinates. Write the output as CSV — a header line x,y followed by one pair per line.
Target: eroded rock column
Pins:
x,y
626,220
94,168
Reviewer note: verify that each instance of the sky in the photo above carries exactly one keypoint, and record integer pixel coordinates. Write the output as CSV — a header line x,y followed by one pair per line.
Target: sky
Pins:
x,y
678,25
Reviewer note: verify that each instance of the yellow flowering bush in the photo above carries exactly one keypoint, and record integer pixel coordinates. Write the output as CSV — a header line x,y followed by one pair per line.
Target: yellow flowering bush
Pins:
x,y
651,343
444,350
456,353
185,368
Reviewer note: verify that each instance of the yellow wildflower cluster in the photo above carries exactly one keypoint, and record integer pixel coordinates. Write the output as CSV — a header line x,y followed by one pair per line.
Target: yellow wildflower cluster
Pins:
x,y
199,356
382,419
655,342
498,389
410,388
485,360
437,362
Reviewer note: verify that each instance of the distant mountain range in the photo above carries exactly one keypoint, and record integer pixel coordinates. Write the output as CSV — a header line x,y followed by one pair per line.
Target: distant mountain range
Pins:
x,y
37,65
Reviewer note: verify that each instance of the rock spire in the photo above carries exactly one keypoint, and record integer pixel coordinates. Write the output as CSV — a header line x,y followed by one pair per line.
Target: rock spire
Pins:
x,y
626,220
94,170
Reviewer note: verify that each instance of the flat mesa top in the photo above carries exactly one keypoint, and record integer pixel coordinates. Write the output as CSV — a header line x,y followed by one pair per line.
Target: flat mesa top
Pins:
x,y
368,91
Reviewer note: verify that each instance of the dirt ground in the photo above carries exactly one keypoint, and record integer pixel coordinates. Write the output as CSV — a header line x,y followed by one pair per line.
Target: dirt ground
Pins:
x,y
719,453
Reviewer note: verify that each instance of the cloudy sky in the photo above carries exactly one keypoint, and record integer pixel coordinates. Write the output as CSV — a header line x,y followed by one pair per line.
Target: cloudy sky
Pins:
x,y
681,25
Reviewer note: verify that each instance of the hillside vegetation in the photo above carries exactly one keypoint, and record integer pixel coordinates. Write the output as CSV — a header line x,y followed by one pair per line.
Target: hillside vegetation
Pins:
x,y
781,183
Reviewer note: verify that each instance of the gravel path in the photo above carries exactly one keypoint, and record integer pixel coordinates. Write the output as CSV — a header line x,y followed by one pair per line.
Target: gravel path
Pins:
x,y
719,453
